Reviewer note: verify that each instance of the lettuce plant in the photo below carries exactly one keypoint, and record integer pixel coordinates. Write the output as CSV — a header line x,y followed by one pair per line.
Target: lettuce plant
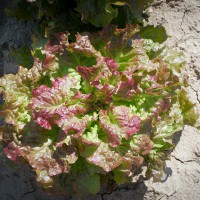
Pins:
x,y
97,109
78,15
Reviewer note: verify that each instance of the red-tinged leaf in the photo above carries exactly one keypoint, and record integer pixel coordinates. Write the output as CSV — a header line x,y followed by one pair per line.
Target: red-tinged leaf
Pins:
x,y
40,158
83,45
112,65
105,157
57,43
87,73
47,101
105,92
131,161
113,41
73,125
125,90
112,130
50,62
55,46
161,106
105,69
130,124
141,144
164,104
13,151
163,73
119,123
101,78
67,153
155,89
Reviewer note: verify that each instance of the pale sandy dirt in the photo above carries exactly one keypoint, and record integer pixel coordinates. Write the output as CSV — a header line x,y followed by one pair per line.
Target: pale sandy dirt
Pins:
x,y
181,19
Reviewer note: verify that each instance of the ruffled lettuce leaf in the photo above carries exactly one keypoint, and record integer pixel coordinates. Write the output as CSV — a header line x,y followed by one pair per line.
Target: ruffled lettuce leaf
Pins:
x,y
73,125
17,93
115,43
100,79
118,123
106,158
189,111
40,159
61,57
48,101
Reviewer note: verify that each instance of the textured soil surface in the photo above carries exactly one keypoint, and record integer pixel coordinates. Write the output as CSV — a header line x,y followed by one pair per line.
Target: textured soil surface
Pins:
x,y
181,19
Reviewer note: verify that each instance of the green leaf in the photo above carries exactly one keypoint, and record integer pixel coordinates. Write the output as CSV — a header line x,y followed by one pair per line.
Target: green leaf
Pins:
x,y
17,94
157,34
38,40
91,135
119,176
130,11
98,13
38,54
101,12
22,57
21,9
88,184
190,113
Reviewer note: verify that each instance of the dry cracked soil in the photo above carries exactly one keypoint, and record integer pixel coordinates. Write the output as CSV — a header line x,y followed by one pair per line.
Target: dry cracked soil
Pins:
x,y
181,19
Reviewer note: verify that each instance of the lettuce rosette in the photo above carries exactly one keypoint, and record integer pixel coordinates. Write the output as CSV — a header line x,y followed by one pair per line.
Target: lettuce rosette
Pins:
x,y
97,109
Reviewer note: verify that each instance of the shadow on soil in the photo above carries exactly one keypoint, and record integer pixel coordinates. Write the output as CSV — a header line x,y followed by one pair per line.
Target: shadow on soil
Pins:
x,y
18,182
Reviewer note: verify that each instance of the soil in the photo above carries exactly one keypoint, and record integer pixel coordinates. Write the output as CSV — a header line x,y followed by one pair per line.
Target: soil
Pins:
x,y
182,21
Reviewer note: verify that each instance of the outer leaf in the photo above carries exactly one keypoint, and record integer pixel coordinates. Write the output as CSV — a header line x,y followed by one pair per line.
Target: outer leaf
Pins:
x,y
40,158
190,113
47,101
17,93
62,57
73,125
169,124
120,177
157,34
106,158
113,42
22,56
90,184
141,144
98,13
66,152
175,59
21,10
